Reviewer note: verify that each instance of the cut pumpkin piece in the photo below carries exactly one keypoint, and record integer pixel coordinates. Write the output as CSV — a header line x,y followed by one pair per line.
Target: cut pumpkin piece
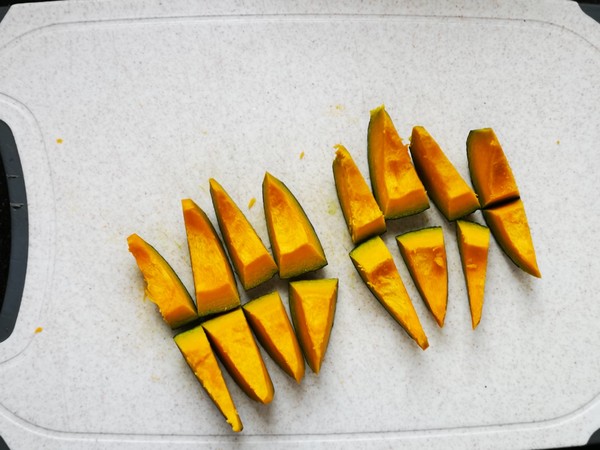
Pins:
x,y
473,244
195,348
216,289
233,342
509,226
396,185
375,264
448,190
163,286
491,174
269,321
312,306
251,259
424,253
363,216
295,243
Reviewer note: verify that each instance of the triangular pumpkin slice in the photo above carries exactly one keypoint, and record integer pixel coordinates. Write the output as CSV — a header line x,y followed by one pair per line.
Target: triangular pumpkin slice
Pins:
x,y
396,185
312,305
424,253
491,174
375,264
216,289
509,226
163,286
473,244
271,325
295,243
362,214
232,339
448,190
251,259
196,350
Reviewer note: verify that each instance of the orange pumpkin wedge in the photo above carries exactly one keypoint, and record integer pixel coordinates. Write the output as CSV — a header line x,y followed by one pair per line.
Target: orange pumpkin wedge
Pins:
x,y
375,264
312,306
473,244
216,289
396,185
510,228
233,342
295,243
424,253
163,286
269,321
448,190
363,216
491,174
195,348
251,259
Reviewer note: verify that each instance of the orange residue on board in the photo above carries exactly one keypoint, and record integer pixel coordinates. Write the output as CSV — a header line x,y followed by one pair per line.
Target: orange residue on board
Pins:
x,y
339,107
38,330
251,202
59,141
301,155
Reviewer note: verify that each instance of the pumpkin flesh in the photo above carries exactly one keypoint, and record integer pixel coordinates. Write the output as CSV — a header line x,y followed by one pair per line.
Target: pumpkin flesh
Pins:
x,y
375,265
195,348
473,244
424,253
163,286
510,228
295,244
396,185
448,190
271,325
312,306
216,289
361,212
491,174
251,259
233,342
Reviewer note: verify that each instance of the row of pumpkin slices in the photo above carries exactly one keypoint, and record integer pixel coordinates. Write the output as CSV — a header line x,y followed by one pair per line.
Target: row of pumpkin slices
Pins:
x,y
226,328
399,189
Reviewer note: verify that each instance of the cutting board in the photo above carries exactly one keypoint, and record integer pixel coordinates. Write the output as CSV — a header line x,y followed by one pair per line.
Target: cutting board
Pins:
x,y
121,109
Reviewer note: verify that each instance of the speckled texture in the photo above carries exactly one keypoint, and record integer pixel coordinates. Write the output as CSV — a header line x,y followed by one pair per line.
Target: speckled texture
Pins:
x,y
150,101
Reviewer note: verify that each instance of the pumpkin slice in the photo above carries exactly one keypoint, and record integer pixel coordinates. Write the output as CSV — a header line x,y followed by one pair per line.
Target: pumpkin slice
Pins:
x,y
448,190
232,339
362,214
424,253
397,188
195,348
295,243
375,264
269,321
312,305
163,286
473,244
509,226
216,289
491,174
251,259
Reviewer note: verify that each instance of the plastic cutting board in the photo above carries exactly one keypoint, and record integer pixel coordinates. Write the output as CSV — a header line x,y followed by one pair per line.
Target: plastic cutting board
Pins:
x,y
121,109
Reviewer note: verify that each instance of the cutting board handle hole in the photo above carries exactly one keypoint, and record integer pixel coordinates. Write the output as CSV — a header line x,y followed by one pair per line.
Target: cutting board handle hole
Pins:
x,y
14,232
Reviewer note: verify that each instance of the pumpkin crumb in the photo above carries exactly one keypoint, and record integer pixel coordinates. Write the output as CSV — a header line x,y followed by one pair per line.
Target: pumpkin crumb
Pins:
x,y
558,142
301,155
38,330
59,141
251,202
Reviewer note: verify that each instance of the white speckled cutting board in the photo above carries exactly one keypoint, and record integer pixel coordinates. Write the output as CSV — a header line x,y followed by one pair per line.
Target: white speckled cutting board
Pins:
x,y
120,109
